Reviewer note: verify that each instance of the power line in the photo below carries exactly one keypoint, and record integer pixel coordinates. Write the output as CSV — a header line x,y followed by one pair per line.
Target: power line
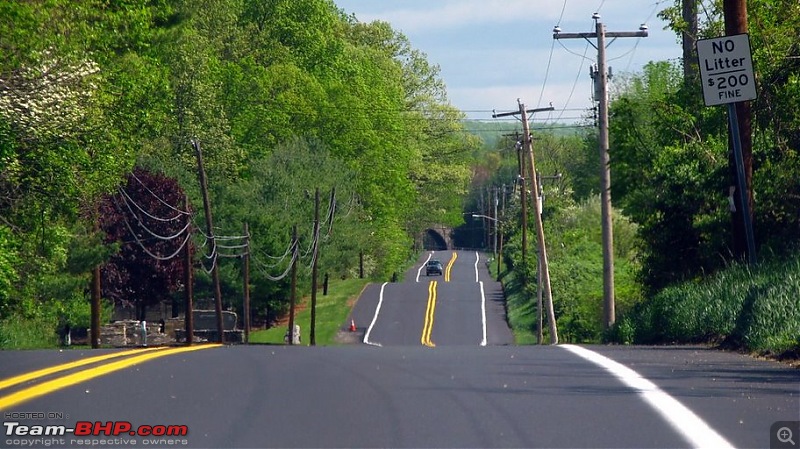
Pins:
x,y
293,250
158,198
145,228
128,198
150,253
550,58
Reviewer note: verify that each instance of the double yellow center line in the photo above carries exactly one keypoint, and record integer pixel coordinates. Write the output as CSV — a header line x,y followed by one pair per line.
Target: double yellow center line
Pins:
x,y
450,267
430,310
137,356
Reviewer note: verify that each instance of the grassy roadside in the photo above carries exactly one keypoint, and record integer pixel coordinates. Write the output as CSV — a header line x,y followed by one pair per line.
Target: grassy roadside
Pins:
x,y
33,333
332,311
520,311
743,307
751,309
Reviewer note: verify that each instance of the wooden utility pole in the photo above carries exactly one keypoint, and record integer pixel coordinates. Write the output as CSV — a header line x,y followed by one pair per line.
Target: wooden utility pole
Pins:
x,y
524,205
736,23
95,307
606,221
188,280
689,38
500,230
293,297
210,228
544,279
527,145
246,283
96,293
601,77
539,276
495,200
314,256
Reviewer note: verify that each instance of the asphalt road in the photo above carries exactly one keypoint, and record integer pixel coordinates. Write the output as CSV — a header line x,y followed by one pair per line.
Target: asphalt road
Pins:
x,y
403,393
468,306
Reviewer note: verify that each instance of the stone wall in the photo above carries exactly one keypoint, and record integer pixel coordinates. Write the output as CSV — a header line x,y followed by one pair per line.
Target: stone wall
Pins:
x,y
205,327
129,333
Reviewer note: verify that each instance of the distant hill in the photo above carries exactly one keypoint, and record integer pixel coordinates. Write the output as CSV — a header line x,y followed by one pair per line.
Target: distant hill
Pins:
x,y
491,131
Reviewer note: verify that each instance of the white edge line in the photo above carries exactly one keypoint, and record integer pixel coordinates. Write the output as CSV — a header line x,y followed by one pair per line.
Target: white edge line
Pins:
x,y
696,431
375,318
477,258
419,272
483,314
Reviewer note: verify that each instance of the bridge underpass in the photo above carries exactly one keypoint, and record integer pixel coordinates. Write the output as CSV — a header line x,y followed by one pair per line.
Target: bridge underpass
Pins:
x,y
437,238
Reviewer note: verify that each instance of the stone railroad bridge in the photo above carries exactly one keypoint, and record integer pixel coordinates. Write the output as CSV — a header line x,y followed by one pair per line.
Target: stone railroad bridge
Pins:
x,y
438,237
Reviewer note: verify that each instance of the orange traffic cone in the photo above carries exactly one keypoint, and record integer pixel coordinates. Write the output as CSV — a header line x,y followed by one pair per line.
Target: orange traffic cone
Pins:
x,y
352,325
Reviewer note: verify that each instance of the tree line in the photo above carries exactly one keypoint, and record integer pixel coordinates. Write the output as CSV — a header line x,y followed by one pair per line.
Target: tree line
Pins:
x,y
671,188
99,103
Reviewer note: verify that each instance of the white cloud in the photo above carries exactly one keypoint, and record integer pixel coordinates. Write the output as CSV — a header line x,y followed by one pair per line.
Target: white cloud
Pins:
x,y
464,13
492,52
419,16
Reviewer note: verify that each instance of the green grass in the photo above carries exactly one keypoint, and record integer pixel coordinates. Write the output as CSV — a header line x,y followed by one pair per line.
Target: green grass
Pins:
x,y
742,307
520,309
34,333
332,311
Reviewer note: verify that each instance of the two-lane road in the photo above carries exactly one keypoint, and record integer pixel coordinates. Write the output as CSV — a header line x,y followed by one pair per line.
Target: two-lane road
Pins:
x,y
463,306
405,393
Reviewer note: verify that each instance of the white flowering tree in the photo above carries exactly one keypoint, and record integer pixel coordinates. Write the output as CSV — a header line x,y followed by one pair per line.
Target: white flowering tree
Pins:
x,y
58,153
50,101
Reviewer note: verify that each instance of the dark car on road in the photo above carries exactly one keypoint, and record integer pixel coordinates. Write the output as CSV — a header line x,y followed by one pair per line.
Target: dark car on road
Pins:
x,y
433,267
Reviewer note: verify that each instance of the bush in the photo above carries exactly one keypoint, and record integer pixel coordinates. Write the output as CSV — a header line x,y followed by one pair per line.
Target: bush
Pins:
x,y
744,308
18,332
773,321
39,323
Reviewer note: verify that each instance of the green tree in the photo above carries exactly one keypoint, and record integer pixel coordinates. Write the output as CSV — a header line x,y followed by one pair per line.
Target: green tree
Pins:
x,y
670,155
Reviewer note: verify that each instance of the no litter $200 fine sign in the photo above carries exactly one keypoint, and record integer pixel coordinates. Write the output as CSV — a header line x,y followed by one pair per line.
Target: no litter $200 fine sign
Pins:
x,y
726,69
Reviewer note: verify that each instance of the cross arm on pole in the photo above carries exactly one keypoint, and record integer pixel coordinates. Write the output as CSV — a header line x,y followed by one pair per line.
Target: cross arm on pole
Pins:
x,y
533,111
529,111
615,34
560,35
593,35
504,114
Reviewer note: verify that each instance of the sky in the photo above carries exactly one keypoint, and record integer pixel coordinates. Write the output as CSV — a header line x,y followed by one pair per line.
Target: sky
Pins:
x,y
493,52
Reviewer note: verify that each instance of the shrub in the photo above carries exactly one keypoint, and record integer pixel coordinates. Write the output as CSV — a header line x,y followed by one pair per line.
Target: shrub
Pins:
x,y
745,308
18,332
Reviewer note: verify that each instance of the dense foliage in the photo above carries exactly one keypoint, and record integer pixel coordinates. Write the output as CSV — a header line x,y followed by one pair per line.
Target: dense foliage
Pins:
x,y
285,96
572,232
671,173
741,307
289,96
670,153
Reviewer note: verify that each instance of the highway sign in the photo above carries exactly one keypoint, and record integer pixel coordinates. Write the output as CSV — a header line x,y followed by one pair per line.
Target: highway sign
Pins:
x,y
726,69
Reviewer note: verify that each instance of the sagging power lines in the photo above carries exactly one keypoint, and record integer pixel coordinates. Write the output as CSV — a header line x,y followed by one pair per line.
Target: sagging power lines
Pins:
x,y
150,230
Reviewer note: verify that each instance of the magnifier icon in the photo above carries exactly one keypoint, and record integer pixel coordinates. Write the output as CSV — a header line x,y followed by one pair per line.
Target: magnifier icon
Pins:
x,y
785,435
